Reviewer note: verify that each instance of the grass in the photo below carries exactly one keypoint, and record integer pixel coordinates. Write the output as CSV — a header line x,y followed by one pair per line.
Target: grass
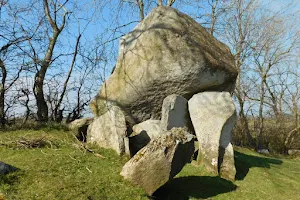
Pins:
x,y
61,170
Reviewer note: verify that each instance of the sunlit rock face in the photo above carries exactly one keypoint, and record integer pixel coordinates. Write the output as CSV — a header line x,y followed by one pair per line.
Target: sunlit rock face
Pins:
x,y
167,53
213,115
160,160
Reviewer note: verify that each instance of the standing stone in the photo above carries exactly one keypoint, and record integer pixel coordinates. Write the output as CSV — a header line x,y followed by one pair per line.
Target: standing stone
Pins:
x,y
160,160
213,116
167,53
79,127
174,112
227,168
143,133
109,130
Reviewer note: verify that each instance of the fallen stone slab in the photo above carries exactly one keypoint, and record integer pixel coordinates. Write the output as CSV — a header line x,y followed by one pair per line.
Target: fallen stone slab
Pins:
x,y
160,160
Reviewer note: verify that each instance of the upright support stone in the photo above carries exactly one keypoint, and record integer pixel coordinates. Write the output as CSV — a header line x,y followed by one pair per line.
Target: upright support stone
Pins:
x,y
226,159
174,112
213,115
109,131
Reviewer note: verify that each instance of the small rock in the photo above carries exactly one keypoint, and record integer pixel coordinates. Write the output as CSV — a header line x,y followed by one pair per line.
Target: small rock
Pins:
x,y
151,127
263,151
79,127
294,152
6,168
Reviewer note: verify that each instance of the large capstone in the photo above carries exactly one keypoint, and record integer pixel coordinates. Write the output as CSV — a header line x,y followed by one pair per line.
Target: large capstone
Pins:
x,y
166,53
213,115
160,160
109,131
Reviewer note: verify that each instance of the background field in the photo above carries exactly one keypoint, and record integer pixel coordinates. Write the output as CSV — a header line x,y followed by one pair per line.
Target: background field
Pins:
x,y
61,168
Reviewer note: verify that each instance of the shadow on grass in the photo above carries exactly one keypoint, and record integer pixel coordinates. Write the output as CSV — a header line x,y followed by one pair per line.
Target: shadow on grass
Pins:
x,y
9,179
199,187
9,175
244,162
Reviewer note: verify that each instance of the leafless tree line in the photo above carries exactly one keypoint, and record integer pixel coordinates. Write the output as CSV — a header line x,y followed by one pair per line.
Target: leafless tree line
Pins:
x,y
51,66
265,44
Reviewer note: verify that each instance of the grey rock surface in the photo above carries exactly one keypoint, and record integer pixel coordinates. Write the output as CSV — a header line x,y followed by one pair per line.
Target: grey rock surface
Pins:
x,y
142,134
213,115
79,127
175,113
160,160
109,131
166,53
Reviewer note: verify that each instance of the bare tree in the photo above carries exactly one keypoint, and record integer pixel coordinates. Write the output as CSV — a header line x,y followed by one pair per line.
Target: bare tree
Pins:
x,y
11,38
62,95
211,13
274,46
239,28
52,15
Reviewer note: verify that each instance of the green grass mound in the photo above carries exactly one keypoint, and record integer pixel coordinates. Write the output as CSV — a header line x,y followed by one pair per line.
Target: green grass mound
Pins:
x,y
52,164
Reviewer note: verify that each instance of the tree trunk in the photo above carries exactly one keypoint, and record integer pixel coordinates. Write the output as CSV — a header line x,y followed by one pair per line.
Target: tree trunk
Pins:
x,y
295,110
261,119
245,125
2,94
42,107
213,17
141,8
274,100
170,2
160,2
289,138
27,109
239,94
57,107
